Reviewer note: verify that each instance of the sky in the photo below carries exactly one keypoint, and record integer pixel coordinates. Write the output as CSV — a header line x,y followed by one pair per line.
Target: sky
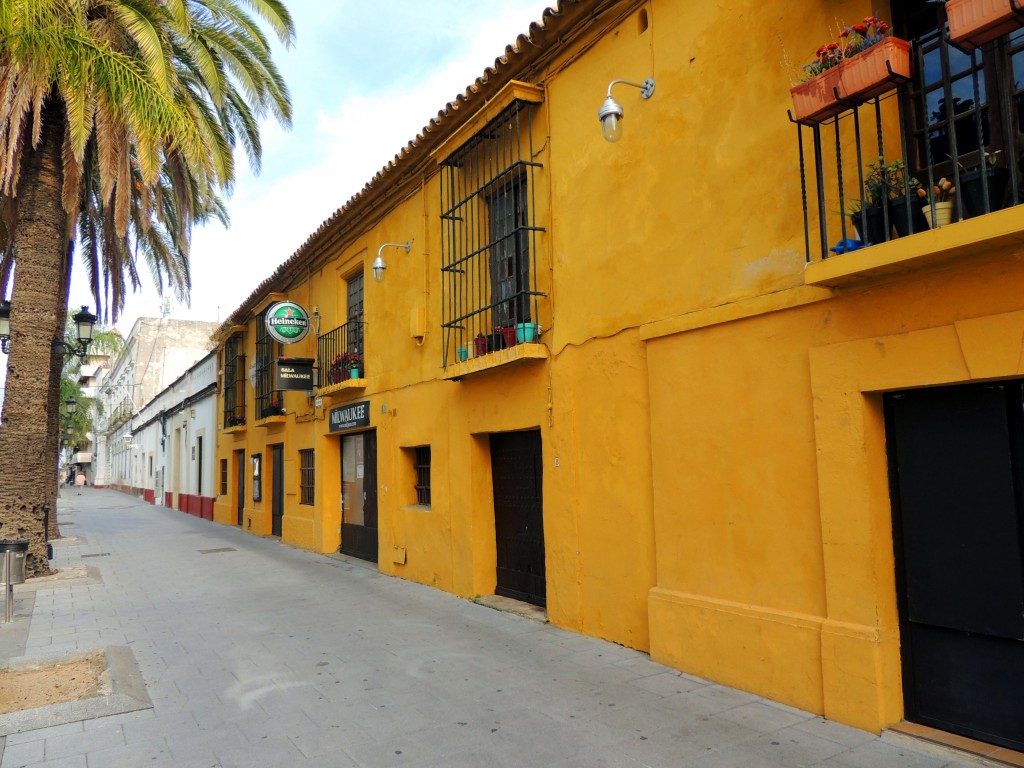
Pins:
x,y
365,78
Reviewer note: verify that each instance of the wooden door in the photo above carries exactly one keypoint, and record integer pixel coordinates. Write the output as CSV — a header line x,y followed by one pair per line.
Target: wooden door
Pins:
x,y
957,486
517,478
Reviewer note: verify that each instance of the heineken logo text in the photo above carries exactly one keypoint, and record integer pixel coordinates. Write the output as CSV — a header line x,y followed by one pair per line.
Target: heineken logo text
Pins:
x,y
287,322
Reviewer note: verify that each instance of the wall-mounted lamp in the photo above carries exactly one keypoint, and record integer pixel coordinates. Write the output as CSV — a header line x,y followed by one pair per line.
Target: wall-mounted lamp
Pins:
x,y
5,326
378,264
610,112
71,406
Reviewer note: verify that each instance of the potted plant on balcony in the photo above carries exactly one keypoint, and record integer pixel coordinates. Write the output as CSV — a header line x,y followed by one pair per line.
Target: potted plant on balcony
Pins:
x,y
887,184
941,194
273,407
975,22
354,363
977,184
337,370
866,62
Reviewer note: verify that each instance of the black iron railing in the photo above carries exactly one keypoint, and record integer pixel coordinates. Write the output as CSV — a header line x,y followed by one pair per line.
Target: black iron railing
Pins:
x,y
489,238
948,143
234,382
340,354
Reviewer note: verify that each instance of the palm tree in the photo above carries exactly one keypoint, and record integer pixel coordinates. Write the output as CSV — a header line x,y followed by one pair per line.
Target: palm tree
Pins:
x,y
118,120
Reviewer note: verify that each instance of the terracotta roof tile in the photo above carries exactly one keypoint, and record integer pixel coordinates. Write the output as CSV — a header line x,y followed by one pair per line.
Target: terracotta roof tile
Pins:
x,y
516,59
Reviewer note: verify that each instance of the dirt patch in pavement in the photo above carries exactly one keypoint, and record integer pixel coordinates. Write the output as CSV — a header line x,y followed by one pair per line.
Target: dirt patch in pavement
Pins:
x,y
39,685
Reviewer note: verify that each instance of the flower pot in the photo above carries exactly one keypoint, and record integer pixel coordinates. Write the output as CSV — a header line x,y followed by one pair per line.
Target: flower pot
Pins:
x,y
976,22
898,217
853,81
463,354
973,187
479,345
508,335
943,214
526,332
870,223
353,373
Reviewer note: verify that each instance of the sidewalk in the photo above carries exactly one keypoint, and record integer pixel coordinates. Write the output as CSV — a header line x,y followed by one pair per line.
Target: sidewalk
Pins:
x,y
237,651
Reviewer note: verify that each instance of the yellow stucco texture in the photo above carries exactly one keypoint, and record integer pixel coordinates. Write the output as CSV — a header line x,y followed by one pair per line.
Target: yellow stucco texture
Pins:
x,y
772,513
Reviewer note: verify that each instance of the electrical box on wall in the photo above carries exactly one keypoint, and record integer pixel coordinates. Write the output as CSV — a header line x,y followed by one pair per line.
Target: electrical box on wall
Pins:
x,y
418,322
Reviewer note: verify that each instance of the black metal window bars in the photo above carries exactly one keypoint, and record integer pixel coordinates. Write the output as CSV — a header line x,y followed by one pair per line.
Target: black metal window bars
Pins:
x,y
234,381
489,237
981,143
269,401
307,476
340,351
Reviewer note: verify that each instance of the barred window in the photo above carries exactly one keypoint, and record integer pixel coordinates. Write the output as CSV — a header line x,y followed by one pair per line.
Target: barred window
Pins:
x,y
234,381
422,466
306,476
269,401
223,477
489,236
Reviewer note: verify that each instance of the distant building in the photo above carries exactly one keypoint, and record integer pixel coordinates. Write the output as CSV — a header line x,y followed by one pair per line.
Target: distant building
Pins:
x,y
155,354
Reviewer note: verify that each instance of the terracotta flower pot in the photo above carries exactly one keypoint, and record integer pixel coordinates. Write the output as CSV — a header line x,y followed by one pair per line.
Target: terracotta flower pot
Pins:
x,y
852,82
976,22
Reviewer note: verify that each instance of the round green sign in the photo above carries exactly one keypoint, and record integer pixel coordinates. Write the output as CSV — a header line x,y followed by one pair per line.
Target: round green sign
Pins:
x,y
287,322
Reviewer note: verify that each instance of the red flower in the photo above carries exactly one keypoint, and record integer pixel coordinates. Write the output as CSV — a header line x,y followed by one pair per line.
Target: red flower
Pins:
x,y
845,32
860,29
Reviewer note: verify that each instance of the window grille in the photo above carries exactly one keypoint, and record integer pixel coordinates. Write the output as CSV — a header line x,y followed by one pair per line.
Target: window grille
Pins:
x,y
234,381
269,401
489,235
422,466
223,477
306,476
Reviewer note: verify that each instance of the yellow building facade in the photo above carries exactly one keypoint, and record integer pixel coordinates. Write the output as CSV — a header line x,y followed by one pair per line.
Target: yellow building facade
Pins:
x,y
628,381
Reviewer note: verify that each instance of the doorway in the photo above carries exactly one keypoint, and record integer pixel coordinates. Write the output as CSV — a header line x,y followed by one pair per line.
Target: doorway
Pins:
x,y
359,495
239,485
517,479
956,456
276,489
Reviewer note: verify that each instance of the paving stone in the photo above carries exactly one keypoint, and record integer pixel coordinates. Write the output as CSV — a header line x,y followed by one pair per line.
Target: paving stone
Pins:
x,y
271,656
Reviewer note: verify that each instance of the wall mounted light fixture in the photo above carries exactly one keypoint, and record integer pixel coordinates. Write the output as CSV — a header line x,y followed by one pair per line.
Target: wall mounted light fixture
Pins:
x,y
379,265
610,112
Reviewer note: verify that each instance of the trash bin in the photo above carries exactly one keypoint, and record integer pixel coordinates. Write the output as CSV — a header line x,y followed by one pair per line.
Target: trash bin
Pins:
x,y
12,555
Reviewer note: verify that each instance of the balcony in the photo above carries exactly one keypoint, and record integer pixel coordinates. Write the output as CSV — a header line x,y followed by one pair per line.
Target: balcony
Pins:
x,y
340,359
944,148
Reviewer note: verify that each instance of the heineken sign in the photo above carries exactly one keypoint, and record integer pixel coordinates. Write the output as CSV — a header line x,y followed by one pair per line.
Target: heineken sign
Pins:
x,y
287,322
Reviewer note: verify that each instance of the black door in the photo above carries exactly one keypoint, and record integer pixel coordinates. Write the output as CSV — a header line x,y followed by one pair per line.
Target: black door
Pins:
x,y
277,490
955,470
240,479
517,475
359,495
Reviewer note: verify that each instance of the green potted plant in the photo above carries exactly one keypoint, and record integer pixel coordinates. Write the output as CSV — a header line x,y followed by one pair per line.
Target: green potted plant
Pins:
x,y
977,184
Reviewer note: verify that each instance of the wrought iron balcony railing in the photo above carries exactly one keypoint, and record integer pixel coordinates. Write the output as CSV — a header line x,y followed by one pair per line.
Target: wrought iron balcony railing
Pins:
x,y
950,143
340,354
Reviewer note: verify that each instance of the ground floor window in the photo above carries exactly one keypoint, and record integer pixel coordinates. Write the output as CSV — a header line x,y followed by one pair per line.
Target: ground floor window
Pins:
x,y
223,477
422,467
306,476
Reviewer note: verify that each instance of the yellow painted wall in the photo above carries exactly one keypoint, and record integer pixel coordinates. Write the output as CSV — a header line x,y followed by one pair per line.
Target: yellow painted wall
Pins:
x,y
715,485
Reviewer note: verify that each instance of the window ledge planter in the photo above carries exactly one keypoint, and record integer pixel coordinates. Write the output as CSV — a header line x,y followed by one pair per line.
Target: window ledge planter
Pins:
x,y
853,81
975,22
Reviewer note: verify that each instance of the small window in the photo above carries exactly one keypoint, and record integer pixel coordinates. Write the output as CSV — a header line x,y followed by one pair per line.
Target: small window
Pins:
x,y
306,476
257,484
422,466
150,465
223,477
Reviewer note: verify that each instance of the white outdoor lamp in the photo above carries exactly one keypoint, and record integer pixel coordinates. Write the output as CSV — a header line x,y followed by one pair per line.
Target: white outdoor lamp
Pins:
x,y
379,265
610,112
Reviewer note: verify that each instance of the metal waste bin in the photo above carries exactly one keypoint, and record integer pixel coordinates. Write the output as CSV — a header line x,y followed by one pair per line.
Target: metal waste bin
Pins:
x,y
12,560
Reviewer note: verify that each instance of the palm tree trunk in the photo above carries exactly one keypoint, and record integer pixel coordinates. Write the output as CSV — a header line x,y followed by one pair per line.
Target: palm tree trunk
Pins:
x,y
53,403
40,246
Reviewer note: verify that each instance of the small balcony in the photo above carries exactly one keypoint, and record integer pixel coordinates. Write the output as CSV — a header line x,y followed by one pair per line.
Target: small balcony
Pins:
x,y
340,358
940,149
